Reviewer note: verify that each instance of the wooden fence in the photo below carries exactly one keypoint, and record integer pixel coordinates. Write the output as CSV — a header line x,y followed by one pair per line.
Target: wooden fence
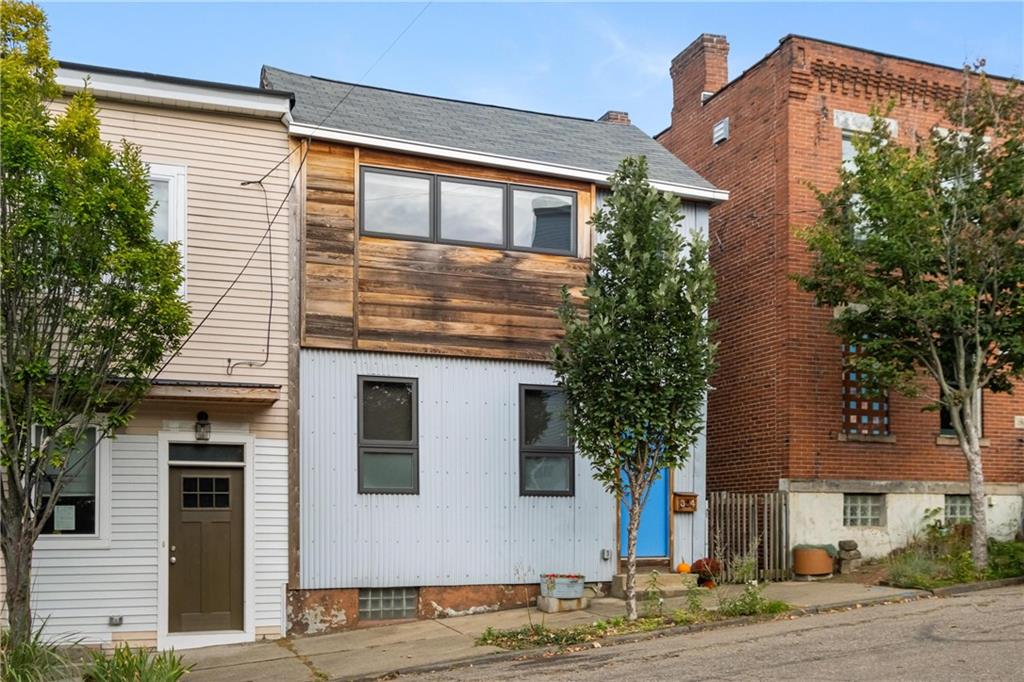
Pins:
x,y
743,523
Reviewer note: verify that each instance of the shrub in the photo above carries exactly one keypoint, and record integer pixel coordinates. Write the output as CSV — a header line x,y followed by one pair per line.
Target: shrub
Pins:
x,y
134,665
1005,559
706,568
35,660
751,602
915,568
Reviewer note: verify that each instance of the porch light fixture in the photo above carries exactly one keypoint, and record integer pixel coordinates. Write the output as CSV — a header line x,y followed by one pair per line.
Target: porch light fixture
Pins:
x,y
202,426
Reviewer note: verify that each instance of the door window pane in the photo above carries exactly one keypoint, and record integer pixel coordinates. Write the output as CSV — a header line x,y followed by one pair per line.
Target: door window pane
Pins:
x,y
160,194
387,411
472,212
542,220
396,204
544,418
75,510
547,474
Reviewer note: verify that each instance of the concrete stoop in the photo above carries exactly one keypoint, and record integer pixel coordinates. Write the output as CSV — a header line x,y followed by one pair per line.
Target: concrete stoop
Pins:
x,y
668,584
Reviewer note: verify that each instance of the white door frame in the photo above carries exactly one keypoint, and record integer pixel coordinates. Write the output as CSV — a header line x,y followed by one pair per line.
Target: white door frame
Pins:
x,y
164,639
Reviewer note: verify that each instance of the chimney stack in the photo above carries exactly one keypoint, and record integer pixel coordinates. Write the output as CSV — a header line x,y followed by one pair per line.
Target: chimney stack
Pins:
x,y
699,71
617,117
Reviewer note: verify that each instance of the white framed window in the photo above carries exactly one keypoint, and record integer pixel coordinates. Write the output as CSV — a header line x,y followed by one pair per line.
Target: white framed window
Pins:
x,y
168,189
81,515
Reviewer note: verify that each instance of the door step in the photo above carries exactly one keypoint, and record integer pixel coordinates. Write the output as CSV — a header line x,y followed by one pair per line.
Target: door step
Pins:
x,y
667,584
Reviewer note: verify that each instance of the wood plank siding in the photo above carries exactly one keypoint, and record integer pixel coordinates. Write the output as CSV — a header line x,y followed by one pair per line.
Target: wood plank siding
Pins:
x,y
382,294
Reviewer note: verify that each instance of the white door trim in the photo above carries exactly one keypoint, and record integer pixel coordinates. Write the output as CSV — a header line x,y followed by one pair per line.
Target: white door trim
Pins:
x,y
164,639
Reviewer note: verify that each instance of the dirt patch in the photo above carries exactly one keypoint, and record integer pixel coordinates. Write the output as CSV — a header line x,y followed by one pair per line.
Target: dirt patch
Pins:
x,y
873,573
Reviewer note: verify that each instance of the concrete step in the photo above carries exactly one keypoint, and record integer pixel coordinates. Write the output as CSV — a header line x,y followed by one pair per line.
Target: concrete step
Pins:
x,y
669,584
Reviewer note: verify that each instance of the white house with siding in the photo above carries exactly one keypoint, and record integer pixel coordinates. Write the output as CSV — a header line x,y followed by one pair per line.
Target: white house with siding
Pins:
x,y
176,533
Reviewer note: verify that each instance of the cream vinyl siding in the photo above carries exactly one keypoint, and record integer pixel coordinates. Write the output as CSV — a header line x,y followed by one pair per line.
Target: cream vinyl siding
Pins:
x,y
225,222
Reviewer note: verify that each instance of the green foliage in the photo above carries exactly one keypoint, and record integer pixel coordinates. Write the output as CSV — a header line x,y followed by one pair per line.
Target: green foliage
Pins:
x,y
829,548
635,363
653,597
89,301
921,246
1005,559
751,602
34,659
134,665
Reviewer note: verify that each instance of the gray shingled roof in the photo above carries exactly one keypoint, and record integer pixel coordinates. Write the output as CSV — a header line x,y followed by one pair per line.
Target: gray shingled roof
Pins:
x,y
560,140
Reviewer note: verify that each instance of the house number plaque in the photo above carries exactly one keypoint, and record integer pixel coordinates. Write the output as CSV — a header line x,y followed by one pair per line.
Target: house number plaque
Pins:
x,y
684,503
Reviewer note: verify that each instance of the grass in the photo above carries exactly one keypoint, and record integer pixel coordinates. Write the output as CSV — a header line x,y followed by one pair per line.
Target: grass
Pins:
x,y
751,602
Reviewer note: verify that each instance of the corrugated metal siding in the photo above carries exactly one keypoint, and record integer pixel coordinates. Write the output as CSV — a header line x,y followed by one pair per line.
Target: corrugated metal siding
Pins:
x,y
468,524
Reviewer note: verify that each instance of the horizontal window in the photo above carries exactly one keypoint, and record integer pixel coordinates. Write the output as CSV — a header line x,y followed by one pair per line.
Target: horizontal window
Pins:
x,y
863,509
388,442
387,603
546,452
451,210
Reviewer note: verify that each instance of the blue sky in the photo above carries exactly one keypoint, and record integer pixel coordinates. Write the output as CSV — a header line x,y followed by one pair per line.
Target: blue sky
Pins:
x,y
578,59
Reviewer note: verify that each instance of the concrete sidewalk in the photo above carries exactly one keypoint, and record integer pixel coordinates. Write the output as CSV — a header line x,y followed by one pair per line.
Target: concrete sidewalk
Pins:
x,y
378,650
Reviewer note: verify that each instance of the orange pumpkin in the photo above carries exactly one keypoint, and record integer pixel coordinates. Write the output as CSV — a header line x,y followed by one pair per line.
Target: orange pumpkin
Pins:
x,y
683,567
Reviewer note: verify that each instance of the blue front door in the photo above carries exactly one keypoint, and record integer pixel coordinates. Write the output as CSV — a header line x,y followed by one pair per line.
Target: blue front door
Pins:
x,y
652,538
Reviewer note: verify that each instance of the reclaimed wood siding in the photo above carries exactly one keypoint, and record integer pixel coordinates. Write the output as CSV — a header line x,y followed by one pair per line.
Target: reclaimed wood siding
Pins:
x,y
373,293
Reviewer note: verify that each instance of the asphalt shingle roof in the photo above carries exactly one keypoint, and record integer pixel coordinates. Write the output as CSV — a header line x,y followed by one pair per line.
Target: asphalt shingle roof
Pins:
x,y
559,140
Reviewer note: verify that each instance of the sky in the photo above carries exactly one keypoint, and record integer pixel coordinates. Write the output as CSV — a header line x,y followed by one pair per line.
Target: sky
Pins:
x,y
578,59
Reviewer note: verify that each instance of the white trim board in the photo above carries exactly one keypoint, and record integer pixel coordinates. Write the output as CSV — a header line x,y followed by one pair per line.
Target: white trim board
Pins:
x,y
482,158
191,640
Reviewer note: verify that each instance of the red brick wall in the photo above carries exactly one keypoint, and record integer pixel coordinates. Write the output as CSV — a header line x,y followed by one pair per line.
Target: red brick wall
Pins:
x,y
776,409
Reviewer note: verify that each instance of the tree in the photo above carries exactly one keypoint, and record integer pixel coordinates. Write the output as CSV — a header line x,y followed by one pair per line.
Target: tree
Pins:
x,y
89,298
922,247
635,365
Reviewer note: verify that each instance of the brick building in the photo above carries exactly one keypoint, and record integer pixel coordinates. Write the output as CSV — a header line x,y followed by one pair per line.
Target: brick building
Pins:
x,y
778,417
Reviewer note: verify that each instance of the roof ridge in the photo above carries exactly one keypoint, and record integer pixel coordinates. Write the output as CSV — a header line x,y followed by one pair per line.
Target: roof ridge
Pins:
x,y
436,98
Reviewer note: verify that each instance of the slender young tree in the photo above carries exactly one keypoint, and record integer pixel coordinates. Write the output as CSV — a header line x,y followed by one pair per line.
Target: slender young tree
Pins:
x,y
635,364
88,297
922,248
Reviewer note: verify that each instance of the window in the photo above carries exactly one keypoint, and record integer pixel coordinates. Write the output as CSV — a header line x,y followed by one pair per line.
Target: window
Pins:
x,y
75,512
958,509
542,221
946,419
865,406
472,212
850,166
386,603
451,210
546,452
863,510
388,439
205,492
168,192
396,203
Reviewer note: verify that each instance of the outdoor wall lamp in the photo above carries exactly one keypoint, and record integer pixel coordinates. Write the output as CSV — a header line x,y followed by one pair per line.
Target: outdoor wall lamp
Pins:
x,y
202,426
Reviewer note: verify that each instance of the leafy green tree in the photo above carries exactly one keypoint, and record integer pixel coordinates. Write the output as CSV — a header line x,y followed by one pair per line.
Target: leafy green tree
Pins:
x,y
88,297
635,365
921,247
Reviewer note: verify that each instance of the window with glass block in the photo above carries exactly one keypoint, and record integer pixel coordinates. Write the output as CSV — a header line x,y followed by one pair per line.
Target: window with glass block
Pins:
x,y
958,509
865,408
863,509
386,603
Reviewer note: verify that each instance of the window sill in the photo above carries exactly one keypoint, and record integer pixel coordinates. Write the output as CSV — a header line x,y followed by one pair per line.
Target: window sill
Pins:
x,y
864,438
66,542
951,441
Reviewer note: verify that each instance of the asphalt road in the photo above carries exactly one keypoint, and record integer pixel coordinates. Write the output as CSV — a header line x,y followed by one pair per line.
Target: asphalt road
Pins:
x,y
978,636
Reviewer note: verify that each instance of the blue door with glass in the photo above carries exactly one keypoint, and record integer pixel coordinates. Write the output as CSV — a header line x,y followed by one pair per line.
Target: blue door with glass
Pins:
x,y
652,538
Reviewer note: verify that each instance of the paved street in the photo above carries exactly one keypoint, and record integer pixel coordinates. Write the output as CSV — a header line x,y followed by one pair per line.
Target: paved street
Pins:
x,y
970,637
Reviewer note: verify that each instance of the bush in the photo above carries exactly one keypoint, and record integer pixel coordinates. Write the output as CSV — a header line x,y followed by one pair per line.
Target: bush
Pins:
x,y
751,602
915,568
134,665
36,660
1005,559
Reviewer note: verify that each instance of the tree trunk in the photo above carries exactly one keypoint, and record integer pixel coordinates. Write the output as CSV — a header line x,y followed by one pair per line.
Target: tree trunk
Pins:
x,y
635,507
979,520
17,551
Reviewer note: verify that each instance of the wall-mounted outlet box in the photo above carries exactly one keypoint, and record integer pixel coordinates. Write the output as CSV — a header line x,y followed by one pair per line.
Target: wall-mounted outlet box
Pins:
x,y
114,621
606,554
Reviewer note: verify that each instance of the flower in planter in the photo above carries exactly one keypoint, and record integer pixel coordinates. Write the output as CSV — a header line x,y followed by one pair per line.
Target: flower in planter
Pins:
x,y
706,570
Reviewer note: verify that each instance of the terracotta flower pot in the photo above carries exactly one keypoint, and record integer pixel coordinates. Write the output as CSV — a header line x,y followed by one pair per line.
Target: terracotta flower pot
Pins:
x,y
811,561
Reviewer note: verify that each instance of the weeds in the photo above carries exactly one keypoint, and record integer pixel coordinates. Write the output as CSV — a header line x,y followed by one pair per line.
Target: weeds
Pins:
x,y
134,665
36,660
653,600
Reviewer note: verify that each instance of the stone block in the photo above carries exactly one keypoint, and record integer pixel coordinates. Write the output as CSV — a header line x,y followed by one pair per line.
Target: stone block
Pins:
x,y
847,566
556,605
849,554
848,545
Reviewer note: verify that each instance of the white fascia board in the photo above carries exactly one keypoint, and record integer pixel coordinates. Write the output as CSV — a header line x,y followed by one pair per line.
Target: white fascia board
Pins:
x,y
482,158
179,95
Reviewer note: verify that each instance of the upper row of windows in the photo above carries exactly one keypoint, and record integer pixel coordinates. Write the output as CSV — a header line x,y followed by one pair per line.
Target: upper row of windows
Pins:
x,y
439,208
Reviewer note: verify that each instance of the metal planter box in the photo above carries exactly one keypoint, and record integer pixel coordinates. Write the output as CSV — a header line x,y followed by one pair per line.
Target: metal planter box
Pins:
x,y
561,586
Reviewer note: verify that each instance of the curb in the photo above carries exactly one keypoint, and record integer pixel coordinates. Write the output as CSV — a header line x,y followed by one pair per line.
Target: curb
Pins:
x,y
967,588
545,652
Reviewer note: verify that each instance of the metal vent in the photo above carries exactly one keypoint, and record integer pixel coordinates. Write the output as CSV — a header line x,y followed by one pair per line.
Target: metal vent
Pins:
x,y
720,133
386,603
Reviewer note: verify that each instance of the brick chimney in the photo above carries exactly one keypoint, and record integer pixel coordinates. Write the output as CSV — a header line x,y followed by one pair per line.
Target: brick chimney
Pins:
x,y
619,117
699,71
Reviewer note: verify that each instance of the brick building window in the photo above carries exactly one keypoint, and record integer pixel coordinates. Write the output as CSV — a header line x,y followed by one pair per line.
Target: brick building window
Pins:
x,y
865,407
958,509
863,509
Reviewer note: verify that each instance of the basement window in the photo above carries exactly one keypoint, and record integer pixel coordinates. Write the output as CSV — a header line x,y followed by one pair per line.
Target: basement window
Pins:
x,y
958,509
387,603
861,509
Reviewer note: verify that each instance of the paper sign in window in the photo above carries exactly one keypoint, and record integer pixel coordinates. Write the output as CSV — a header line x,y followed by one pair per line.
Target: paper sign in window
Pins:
x,y
64,517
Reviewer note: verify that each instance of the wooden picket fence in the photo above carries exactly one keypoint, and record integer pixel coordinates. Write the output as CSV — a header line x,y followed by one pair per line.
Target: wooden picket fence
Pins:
x,y
741,523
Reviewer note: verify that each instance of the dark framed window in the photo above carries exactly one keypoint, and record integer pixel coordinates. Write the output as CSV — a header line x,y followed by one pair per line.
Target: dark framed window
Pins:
x,y
547,462
865,406
454,210
946,419
388,446
74,512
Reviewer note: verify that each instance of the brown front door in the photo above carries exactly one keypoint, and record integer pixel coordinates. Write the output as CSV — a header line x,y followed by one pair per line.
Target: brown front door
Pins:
x,y
206,549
